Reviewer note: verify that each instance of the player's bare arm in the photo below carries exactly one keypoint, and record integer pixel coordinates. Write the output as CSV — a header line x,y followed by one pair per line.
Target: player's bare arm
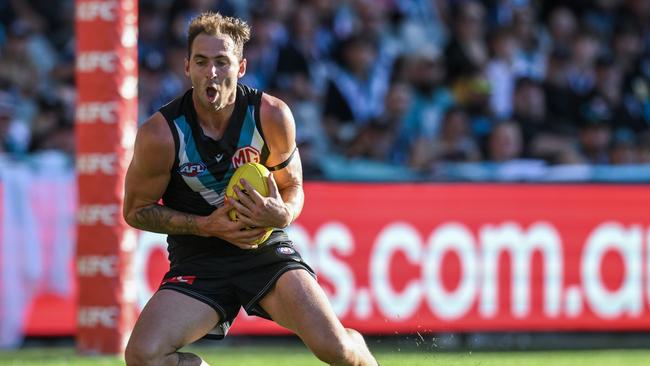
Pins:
x,y
147,178
146,181
286,197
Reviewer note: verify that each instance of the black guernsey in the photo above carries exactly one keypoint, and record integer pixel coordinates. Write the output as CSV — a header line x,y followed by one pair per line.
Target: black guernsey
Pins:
x,y
203,166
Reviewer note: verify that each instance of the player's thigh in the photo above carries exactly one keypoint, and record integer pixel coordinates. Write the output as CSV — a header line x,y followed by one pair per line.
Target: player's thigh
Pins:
x,y
298,303
171,320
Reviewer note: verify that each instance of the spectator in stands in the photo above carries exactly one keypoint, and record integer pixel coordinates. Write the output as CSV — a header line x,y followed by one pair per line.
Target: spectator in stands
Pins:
x,y
634,17
530,57
595,136
562,28
601,16
299,81
422,23
472,92
373,22
561,101
18,70
500,71
14,133
599,113
643,148
425,70
51,129
280,13
630,55
355,91
505,143
530,109
467,50
609,87
455,143
151,25
60,138
585,50
262,51
623,149
165,77
378,139
589,59
150,85
302,60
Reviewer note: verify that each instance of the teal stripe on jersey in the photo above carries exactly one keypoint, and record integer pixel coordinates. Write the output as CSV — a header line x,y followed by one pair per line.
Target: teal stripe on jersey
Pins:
x,y
209,185
247,130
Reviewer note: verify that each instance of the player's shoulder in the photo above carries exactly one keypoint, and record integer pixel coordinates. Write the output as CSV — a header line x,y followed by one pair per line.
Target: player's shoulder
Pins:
x,y
155,132
274,111
278,125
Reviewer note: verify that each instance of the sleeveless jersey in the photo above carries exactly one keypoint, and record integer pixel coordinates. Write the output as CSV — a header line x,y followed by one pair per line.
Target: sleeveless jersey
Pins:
x,y
203,166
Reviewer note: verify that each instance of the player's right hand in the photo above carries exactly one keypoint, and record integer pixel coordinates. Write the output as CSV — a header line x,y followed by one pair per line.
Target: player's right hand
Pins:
x,y
218,224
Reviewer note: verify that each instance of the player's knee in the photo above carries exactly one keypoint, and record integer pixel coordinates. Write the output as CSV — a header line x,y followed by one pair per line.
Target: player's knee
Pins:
x,y
337,350
356,337
138,355
143,353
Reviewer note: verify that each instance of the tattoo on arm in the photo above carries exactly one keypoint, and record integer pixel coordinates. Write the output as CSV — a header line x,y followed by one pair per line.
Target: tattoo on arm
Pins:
x,y
161,219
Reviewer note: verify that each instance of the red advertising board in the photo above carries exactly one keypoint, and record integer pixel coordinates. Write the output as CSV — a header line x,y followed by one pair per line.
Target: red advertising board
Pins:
x,y
467,257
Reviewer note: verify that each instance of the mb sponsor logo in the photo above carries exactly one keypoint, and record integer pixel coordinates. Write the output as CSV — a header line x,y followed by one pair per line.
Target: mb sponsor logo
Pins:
x,y
93,316
96,163
97,10
96,61
94,265
98,214
97,111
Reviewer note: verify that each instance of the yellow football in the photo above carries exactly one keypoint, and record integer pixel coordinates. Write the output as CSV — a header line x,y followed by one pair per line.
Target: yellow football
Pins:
x,y
255,174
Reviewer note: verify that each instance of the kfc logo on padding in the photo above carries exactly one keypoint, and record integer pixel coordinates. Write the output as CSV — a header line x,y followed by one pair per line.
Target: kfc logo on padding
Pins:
x,y
92,316
98,214
97,112
93,265
96,163
96,61
97,10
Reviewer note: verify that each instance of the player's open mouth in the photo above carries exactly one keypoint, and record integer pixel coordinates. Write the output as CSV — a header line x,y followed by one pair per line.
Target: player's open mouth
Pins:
x,y
211,93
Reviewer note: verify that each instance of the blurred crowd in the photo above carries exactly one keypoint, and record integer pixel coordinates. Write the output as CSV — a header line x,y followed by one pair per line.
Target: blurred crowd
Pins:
x,y
412,83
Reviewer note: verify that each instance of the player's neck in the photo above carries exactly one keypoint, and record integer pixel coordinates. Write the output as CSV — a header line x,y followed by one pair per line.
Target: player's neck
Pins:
x,y
214,122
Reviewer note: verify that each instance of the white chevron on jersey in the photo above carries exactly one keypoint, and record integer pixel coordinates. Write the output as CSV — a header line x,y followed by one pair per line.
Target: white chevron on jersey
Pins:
x,y
209,195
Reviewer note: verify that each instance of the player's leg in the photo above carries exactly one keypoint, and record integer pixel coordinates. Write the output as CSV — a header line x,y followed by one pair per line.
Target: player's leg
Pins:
x,y
169,321
298,303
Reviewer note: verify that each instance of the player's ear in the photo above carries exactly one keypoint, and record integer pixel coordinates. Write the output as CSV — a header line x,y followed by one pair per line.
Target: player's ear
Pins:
x,y
187,67
242,68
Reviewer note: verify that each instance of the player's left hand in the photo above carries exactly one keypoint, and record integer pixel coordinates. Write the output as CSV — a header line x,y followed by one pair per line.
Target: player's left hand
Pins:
x,y
255,210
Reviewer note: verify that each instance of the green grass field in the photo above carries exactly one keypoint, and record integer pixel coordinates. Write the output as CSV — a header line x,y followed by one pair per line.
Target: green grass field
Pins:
x,y
297,356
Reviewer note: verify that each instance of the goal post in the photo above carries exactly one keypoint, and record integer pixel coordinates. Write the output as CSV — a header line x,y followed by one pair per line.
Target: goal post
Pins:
x,y
106,122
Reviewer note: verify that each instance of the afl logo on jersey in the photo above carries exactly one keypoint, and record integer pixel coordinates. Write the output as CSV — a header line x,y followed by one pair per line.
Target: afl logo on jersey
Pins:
x,y
246,154
191,169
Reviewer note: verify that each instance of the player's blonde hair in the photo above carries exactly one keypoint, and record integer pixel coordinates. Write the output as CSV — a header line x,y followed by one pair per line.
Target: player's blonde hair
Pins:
x,y
215,24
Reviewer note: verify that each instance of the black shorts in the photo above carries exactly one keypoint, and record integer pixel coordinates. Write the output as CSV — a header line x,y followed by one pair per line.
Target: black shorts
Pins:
x,y
228,283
